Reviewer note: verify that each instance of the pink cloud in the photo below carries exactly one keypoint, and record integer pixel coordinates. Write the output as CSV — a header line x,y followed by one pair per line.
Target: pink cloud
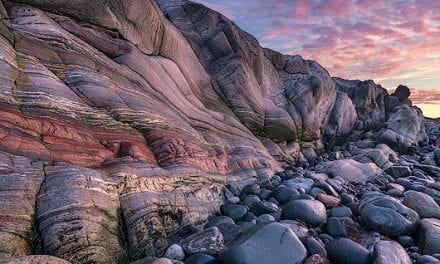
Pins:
x,y
336,7
424,96
300,9
358,39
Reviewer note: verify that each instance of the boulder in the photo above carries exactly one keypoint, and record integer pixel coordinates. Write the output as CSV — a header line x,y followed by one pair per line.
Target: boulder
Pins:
x,y
265,243
351,170
404,129
209,241
387,215
390,252
310,211
399,171
346,251
422,203
428,236
402,93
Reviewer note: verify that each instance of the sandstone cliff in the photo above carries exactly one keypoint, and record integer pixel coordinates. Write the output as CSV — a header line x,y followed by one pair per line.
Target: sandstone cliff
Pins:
x,y
121,121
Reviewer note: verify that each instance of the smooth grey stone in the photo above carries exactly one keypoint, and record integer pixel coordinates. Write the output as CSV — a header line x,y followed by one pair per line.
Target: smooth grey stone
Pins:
x,y
346,251
325,238
315,191
399,171
347,198
273,200
314,246
233,188
245,226
426,259
406,241
311,212
341,212
249,217
264,218
297,183
422,203
336,228
230,197
387,215
301,197
251,189
234,211
428,236
249,200
265,194
218,221
230,231
395,193
265,243
298,228
386,252
327,188
404,182
390,186
282,193
174,252
265,207
437,155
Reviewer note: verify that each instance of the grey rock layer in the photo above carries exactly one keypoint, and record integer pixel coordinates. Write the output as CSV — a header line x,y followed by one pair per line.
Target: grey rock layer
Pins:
x,y
121,121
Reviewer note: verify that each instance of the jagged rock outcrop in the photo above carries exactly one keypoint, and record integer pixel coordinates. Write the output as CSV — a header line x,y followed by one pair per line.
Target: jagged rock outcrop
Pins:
x,y
121,121
282,98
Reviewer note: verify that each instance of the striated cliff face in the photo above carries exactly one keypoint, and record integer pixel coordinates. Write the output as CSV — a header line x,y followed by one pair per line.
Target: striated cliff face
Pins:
x,y
121,121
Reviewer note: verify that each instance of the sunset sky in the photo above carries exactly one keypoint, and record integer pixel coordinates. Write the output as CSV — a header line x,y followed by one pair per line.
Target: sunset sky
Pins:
x,y
392,42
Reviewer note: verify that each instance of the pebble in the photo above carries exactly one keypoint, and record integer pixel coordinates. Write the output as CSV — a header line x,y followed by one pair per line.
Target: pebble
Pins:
x,y
428,236
341,212
234,211
310,211
346,251
264,207
422,203
336,228
264,218
282,193
249,200
175,252
328,200
386,252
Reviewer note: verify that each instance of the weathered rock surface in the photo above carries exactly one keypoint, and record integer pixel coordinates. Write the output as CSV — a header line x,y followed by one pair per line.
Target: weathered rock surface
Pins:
x,y
121,121
345,251
429,236
390,252
387,215
422,203
266,243
309,211
352,170
38,259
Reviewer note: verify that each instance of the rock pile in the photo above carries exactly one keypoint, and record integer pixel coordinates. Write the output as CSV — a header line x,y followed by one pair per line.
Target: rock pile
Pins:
x,y
302,215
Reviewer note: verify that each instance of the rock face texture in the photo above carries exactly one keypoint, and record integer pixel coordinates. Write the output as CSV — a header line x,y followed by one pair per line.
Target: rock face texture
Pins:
x,y
121,121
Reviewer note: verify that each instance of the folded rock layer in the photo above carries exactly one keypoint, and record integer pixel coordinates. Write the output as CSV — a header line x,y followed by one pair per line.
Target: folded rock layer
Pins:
x,y
121,121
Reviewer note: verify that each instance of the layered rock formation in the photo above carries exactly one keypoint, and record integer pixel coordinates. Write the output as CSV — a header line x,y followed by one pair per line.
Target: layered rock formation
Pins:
x,y
120,122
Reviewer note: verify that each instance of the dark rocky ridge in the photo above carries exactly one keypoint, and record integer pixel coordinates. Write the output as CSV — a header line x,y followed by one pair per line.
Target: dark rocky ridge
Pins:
x,y
121,121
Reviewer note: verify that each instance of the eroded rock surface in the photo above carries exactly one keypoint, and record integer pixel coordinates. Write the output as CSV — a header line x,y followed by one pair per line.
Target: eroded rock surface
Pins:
x,y
121,121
